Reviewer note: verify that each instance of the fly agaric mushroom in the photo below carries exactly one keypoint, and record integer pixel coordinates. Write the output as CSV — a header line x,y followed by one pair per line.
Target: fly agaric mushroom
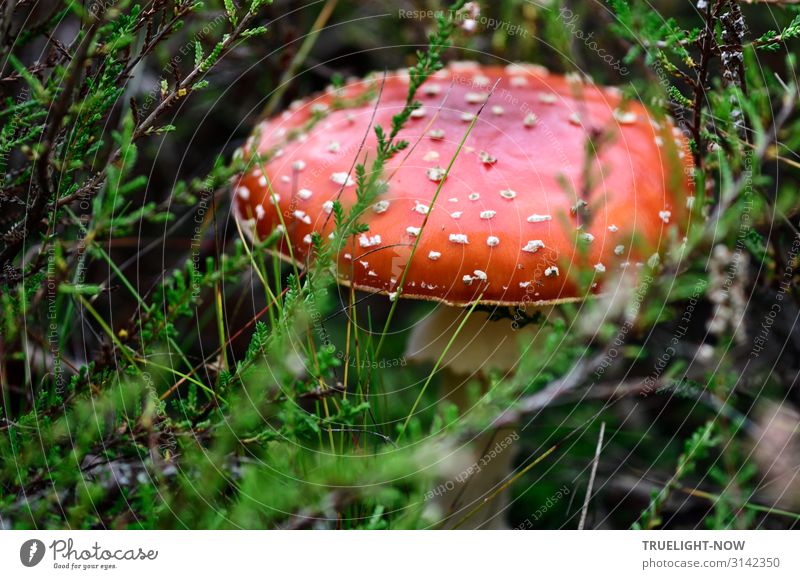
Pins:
x,y
557,178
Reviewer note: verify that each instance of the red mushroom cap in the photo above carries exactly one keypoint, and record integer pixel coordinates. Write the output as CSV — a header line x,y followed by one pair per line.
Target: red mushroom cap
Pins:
x,y
557,176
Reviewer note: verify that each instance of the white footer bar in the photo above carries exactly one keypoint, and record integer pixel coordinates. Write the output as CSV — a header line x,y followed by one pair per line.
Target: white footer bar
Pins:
x,y
406,555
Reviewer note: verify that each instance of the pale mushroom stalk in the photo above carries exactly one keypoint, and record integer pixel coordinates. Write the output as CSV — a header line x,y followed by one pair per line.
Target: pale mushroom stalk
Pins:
x,y
482,346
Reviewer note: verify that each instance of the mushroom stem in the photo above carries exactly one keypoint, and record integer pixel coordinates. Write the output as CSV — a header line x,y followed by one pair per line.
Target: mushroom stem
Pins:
x,y
482,345
490,460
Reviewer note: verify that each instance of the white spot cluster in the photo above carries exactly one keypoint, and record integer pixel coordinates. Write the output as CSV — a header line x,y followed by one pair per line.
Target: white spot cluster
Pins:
x,y
492,241
456,214
619,250
533,246
474,196
327,207
535,218
547,98
435,174
613,228
599,267
625,117
573,78
436,134
243,192
486,158
369,241
508,193
477,275
475,97
421,208
380,206
460,238
530,120
304,194
488,214
299,165
526,68
462,65
343,178
665,215
551,271
434,255
260,212
302,216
